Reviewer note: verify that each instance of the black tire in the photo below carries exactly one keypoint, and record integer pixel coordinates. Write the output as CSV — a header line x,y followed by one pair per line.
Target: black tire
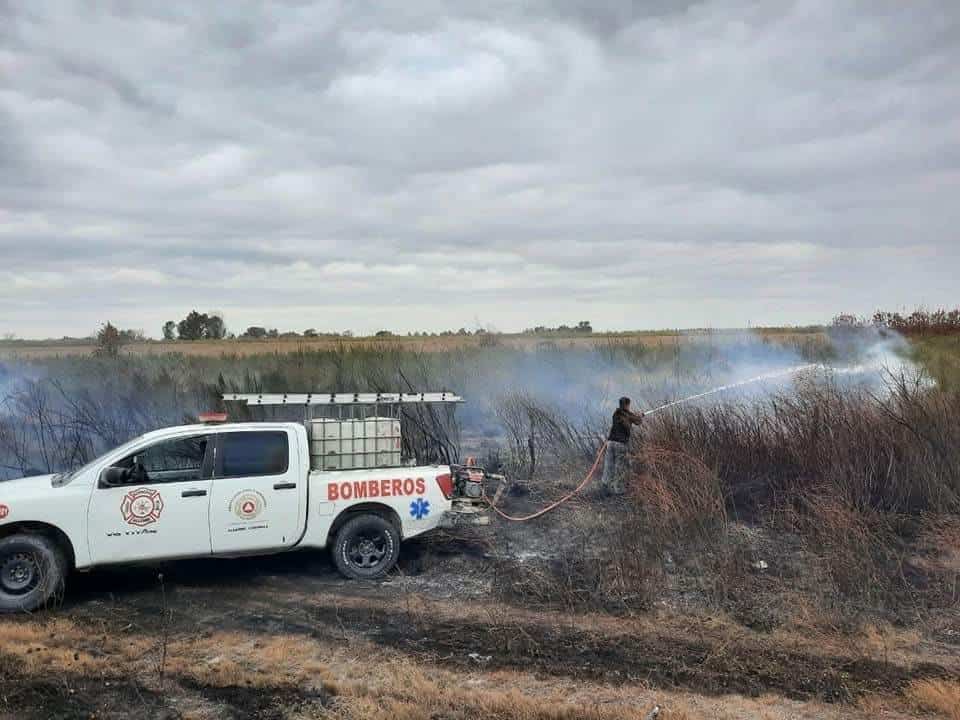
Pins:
x,y
33,570
366,547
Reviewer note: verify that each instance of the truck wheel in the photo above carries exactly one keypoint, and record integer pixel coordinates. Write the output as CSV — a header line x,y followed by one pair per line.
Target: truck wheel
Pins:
x,y
32,571
366,547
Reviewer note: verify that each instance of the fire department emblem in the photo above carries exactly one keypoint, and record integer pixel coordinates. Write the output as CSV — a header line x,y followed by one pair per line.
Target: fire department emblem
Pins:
x,y
141,507
247,504
4,511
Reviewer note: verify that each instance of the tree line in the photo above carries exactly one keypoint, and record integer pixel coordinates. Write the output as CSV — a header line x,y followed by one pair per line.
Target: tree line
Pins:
x,y
583,326
920,322
196,326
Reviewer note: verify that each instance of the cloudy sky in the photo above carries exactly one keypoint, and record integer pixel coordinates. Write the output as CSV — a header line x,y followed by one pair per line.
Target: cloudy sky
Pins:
x,y
423,165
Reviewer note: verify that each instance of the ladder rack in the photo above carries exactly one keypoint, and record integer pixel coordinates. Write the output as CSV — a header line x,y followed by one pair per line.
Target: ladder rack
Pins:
x,y
432,412
271,399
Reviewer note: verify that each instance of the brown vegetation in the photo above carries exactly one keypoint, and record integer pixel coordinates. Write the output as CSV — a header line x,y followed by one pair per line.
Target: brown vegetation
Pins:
x,y
937,696
39,349
269,646
921,322
828,503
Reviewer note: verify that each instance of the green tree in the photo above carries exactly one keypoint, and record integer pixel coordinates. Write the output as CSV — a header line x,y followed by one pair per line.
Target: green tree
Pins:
x,y
192,326
109,341
214,327
130,335
169,330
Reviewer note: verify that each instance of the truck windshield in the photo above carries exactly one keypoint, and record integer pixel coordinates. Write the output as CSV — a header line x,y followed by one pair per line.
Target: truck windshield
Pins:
x,y
65,477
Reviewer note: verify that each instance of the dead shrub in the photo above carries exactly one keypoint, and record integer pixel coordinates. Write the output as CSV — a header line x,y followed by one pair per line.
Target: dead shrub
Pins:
x,y
896,453
540,437
569,581
863,551
678,512
936,557
677,496
856,544
867,483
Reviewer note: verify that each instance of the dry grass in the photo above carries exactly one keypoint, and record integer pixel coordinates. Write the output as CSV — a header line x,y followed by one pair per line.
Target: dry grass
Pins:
x,y
368,688
681,497
937,696
406,691
941,357
369,681
217,659
366,684
939,544
39,349
866,485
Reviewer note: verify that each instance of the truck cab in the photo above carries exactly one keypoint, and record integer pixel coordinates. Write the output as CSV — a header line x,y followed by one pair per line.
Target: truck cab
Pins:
x,y
207,490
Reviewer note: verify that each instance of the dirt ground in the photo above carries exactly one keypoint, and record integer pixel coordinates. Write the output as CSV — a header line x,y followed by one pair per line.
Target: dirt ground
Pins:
x,y
285,637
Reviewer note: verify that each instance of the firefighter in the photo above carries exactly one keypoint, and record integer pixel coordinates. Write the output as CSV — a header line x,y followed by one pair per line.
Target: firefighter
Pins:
x,y
615,460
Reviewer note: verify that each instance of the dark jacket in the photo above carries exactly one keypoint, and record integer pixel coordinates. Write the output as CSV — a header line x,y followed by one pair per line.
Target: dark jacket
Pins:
x,y
622,420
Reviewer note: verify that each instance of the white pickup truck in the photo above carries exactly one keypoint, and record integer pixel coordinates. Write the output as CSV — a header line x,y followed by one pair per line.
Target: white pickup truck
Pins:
x,y
209,490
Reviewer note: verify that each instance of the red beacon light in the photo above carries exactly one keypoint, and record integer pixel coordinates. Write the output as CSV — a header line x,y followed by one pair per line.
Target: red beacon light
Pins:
x,y
212,418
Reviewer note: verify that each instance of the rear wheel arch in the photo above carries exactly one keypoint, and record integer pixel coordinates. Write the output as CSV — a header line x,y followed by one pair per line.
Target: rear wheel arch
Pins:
x,y
50,531
372,508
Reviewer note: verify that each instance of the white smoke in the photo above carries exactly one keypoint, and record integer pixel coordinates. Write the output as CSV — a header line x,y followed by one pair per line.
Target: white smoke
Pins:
x,y
584,384
868,357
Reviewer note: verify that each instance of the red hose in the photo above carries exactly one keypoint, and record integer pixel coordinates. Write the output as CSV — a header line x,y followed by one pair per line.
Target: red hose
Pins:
x,y
558,503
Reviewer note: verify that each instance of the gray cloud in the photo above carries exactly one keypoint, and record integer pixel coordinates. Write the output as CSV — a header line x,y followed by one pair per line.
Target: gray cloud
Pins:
x,y
336,165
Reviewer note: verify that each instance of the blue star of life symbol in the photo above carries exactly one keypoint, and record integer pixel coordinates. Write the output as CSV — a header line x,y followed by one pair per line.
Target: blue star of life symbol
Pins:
x,y
420,508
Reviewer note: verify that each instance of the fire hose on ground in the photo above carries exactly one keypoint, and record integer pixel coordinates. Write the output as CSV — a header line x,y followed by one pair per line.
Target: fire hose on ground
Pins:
x,y
557,503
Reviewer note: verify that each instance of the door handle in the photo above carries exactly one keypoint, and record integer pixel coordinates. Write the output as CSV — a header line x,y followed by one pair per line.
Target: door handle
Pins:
x,y
284,486
193,493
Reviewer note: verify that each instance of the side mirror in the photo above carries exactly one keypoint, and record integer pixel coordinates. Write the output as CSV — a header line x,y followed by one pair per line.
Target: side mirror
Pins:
x,y
114,476
138,473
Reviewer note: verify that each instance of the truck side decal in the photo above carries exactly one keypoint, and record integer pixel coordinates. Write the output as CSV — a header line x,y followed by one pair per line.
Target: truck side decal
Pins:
x,y
419,509
141,507
248,504
358,489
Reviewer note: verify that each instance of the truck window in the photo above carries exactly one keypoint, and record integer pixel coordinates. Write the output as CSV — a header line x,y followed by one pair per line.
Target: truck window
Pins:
x,y
176,460
247,454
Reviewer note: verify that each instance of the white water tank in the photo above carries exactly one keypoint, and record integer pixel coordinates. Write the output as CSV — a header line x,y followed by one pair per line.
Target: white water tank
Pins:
x,y
354,444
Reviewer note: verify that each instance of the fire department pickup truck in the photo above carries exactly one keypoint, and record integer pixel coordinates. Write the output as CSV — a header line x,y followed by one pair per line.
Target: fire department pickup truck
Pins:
x,y
209,490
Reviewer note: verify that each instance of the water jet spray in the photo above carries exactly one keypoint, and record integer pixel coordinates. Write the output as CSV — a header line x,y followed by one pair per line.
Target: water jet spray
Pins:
x,y
733,386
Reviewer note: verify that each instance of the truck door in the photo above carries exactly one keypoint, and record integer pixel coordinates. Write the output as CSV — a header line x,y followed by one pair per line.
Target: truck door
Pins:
x,y
162,511
258,493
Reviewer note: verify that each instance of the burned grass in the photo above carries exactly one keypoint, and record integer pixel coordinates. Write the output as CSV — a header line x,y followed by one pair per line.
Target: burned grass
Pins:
x,y
248,702
28,694
284,639
675,660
